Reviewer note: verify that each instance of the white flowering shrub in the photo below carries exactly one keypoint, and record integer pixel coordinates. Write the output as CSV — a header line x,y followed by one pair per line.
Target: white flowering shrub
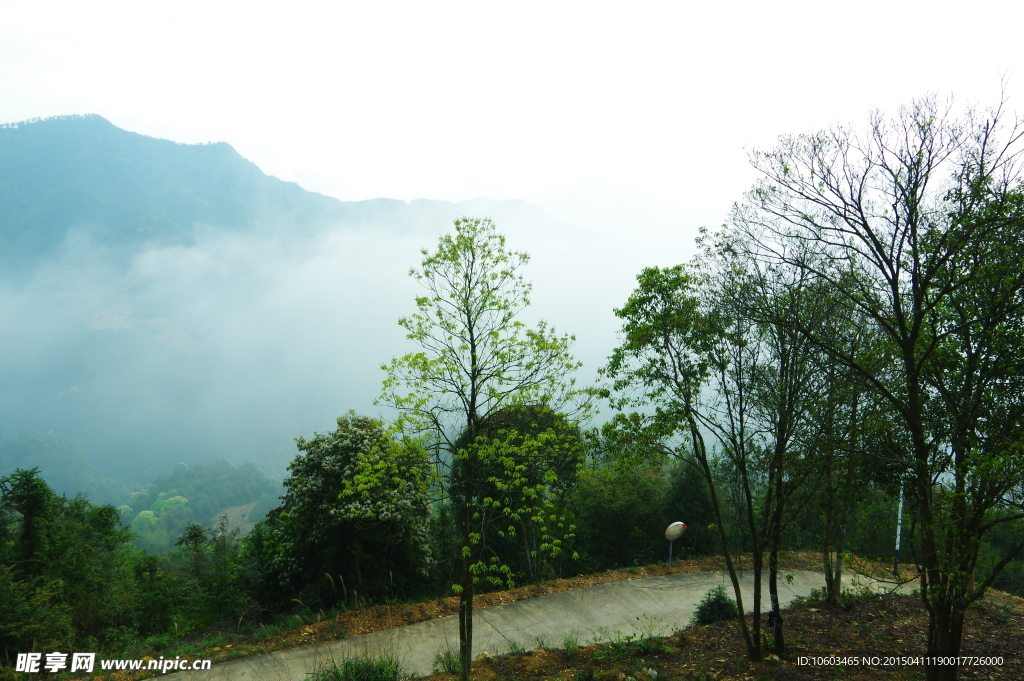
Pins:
x,y
354,516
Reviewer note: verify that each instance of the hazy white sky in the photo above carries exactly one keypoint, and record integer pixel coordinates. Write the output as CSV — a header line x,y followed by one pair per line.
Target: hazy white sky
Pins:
x,y
610,113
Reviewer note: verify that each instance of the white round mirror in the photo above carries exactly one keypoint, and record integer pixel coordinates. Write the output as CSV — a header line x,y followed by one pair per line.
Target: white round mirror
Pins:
x,y
675,531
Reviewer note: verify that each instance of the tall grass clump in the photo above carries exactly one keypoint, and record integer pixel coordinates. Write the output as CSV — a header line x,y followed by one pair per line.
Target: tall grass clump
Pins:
x,y
446,661
381,668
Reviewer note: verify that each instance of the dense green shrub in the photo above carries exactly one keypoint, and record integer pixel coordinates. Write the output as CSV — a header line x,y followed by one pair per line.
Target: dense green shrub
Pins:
x,y
90,552
353,519
688,500
715,606
620,516
32,613
65,565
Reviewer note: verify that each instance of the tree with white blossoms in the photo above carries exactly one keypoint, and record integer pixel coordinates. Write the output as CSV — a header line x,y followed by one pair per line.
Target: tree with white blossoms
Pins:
x,y
476,359
355,508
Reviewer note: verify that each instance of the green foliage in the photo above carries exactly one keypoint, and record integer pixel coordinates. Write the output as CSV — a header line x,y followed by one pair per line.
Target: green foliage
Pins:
x,y
355,508
849,599
651,646
620,516
34,612
446,661
26,495
89,551
688,500
194,494
623,646
571,646
476,356
715,606
65,561
213,487
668,338
381,668
515,647
475,360
526,454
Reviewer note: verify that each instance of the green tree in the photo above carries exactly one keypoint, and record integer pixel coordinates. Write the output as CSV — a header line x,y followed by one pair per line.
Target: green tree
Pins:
x,y
355,505
561,455
664,362
69,557
476,358
34,612
626,462
926,213
701,350
27,495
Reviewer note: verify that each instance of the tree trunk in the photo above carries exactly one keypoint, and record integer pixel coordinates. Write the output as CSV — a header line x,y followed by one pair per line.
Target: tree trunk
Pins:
x,y
466,623
945,631
468,551
773,591
753,653
758,560
837,577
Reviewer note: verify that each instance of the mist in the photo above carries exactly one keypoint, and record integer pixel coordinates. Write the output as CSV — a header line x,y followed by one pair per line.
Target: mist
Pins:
x,y
239,341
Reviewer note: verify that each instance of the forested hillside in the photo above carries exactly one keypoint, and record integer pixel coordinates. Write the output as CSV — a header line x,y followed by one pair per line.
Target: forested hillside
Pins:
x,y
196,494
65,467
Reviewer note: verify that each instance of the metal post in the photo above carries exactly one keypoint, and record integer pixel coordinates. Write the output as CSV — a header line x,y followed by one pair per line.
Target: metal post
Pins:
x,y
899,532
673,532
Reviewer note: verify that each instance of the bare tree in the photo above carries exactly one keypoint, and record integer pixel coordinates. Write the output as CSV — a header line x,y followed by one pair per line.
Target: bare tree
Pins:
x,y
919,222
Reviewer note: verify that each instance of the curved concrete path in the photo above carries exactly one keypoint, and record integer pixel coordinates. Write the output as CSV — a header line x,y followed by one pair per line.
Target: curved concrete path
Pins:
x,y
653,606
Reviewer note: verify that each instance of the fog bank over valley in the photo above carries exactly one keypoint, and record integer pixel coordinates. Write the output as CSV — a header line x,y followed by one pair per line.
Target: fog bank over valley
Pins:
x,y
161,315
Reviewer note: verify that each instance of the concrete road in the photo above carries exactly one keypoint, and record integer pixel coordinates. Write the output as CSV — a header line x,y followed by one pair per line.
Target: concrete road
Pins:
x,y
654,606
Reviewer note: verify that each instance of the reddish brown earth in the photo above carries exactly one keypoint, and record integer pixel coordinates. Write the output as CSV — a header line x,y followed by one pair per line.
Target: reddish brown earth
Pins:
x,y
868,627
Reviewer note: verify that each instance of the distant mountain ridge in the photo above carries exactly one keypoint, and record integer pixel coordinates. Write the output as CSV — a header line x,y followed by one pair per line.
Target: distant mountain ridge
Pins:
x,y
172,302
125,189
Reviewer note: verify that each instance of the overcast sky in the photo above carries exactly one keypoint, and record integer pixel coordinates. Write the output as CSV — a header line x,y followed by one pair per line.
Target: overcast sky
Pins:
x,y
629,126
608,114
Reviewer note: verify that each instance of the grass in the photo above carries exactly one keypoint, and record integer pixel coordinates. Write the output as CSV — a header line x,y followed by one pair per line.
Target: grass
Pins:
x,y
446,661
571,646
623,647
381,668
515,647
269,631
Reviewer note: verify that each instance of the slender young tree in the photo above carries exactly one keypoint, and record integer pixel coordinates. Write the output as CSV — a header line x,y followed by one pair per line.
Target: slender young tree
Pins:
x,y
674,347
477,358
705,347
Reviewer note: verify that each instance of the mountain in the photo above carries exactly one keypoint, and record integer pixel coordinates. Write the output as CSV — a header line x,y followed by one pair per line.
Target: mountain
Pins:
x,y
164,303
62,464
126,190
